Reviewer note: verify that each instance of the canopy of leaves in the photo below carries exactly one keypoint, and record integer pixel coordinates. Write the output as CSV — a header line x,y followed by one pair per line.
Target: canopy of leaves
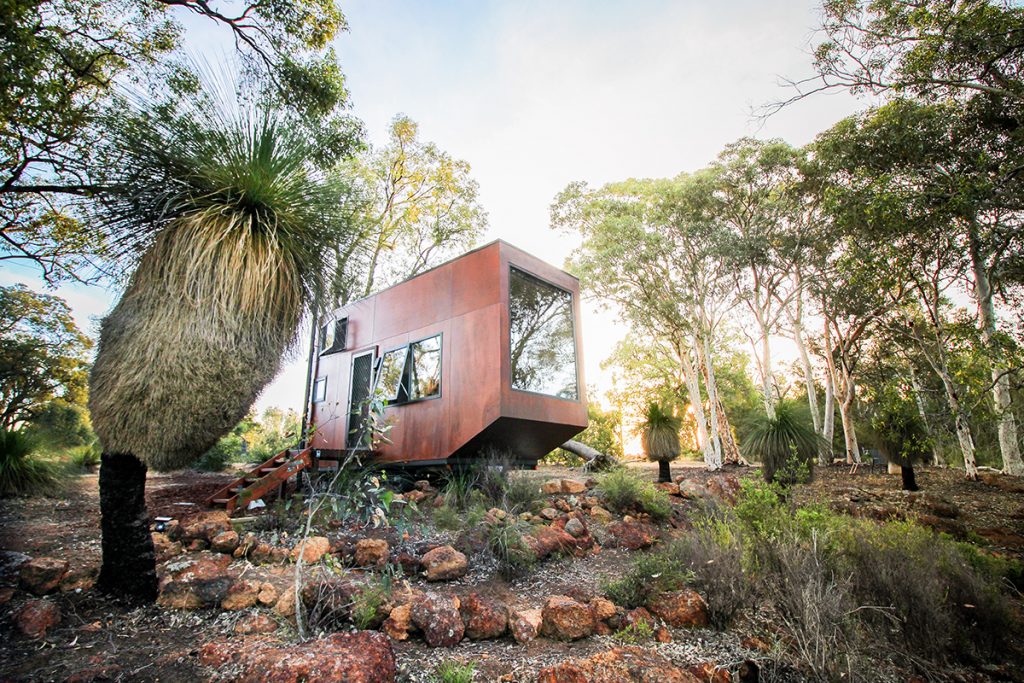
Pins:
x,y
43,354
934,49
60,61
419,209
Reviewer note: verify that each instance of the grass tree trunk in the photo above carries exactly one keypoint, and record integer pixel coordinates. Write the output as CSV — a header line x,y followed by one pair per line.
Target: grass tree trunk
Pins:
x,y
664,471
909,480
129,560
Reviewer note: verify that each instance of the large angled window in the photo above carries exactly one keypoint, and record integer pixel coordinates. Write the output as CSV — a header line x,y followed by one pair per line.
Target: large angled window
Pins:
x,y
426,368
411,372
543,342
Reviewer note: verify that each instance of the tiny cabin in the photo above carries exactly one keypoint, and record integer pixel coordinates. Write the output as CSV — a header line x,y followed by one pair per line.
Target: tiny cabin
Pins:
x,y
482,351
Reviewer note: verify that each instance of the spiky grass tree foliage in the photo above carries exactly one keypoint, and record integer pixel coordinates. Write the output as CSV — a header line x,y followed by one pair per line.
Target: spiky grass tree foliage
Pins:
x,y
232,228
659,436
21,474
786,445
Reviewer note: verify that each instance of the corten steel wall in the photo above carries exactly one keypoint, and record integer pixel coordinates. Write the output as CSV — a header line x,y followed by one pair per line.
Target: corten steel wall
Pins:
x,y
466,301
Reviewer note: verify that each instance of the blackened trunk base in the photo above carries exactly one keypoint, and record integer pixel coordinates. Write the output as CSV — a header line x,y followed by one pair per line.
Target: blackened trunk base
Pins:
x,y
129,562
664,473
909,480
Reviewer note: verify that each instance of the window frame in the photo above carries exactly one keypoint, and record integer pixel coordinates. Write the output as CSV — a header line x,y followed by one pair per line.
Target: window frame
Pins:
x,y
572,320
405,385
319,381
334,348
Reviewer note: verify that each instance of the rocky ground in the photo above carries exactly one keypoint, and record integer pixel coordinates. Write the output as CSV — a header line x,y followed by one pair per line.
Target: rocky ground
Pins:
x,y
227,605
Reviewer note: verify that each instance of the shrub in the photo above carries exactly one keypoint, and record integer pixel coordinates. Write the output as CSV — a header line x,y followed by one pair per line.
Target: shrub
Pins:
x,y
60,424
635,633
21,472
215,459
714,553
480,483
452,671
506,542
487,483
649,574
86,458
936,602
843,587
785,445
368,605
521,495
447,518
816,608
624,491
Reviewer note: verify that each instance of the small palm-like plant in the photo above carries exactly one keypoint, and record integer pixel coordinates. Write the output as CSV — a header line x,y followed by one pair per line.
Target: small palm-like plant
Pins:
x,y
233,228
785,445
21,474
659,436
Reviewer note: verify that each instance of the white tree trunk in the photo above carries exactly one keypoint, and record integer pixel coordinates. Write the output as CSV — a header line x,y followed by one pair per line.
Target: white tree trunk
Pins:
x,y
915,384
805,360
828,423
963,429
693,388
730,451
712,388
846,415
766,374
1008,446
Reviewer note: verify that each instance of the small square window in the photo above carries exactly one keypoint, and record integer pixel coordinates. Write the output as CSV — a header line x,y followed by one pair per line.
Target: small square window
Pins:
x,y
333,336
320,390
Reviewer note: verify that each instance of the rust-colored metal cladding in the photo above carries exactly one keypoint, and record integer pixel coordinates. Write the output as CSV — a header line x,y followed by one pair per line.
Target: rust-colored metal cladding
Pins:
x,y
484,350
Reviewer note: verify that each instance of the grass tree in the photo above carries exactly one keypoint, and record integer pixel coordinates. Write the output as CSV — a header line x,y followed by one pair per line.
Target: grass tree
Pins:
x,y
659,435
785,445
230,227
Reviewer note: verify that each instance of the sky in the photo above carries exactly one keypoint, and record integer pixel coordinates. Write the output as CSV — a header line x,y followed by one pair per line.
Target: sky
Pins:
x,y
535,95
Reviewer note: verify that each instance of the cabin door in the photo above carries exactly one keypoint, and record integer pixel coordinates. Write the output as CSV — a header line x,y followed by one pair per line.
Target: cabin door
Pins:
x,y
359,399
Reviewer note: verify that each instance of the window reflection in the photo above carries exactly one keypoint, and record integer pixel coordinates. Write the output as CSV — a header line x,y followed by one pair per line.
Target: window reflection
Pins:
x,y
411,372
392,368
543,345
426,368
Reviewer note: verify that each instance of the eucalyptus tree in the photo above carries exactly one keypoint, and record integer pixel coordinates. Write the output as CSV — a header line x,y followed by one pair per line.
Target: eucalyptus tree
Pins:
x,y
419,209
43,355
964,61
929,49
228,225
931,175
630,258
751,200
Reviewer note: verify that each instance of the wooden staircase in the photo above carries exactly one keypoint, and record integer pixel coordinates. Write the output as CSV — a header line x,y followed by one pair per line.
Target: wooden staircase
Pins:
x,y
262,479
